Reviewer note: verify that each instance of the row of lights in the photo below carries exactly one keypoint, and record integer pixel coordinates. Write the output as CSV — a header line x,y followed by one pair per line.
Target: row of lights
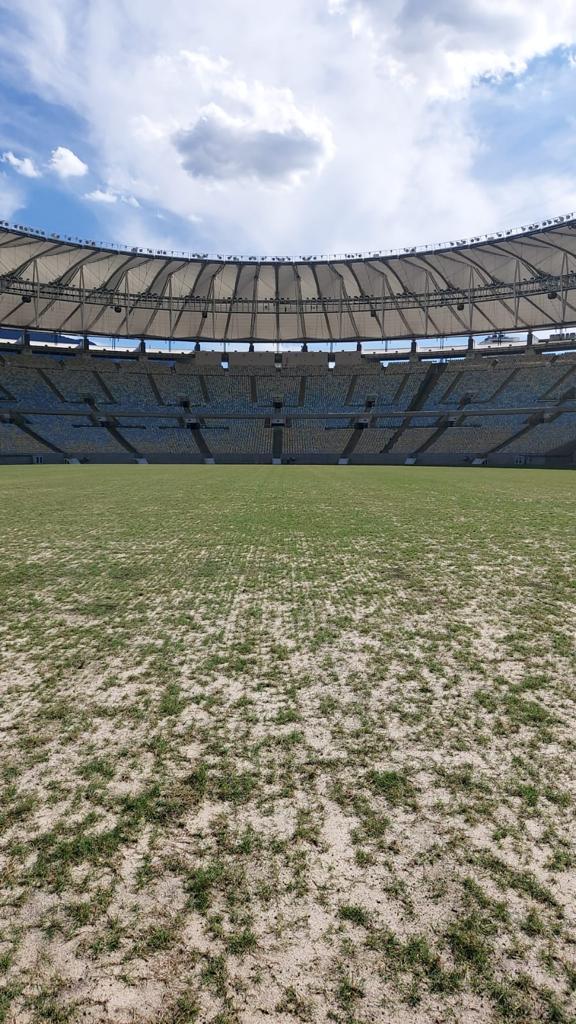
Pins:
x,y
137,250
460,306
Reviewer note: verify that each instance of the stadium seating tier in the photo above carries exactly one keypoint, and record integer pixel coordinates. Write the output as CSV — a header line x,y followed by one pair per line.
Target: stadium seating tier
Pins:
x,y
95,406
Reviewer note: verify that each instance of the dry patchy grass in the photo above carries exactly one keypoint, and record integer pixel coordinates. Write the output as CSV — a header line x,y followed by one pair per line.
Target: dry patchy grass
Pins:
x,y
289,744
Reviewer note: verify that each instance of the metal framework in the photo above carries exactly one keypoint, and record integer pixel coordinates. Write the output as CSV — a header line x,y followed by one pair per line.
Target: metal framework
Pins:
x,y
512,281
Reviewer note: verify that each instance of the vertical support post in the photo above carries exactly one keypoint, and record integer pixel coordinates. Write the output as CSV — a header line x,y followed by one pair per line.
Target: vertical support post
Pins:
x,y
253,312
299,307
127,300
36,283
384,339
381,312
470,305
276,306
563,286
82,303
170,313
516,294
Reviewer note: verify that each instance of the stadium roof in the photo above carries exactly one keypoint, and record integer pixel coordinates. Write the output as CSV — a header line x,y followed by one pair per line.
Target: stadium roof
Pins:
x,y
511,280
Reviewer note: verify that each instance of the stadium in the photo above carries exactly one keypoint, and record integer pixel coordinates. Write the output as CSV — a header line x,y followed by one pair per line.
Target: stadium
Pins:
x,y
499,404
288,545
288,741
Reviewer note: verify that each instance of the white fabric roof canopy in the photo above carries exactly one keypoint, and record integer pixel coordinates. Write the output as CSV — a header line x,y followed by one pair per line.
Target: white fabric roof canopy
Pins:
x,y
518,281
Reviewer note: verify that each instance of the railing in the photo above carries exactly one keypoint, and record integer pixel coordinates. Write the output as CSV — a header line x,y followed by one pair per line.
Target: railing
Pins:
x,y
372,349
234,258
459,299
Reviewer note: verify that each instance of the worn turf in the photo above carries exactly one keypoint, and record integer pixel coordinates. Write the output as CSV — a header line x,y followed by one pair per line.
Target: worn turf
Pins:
x,y
287,744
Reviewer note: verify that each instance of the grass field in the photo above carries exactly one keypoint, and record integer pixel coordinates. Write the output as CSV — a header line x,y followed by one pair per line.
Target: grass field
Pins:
x,y
287,744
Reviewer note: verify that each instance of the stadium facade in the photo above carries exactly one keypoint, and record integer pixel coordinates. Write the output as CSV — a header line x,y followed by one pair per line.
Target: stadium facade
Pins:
x,y
504,402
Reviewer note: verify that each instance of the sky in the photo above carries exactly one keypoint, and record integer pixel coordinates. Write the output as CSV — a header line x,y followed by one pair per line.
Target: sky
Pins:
x,y
317,126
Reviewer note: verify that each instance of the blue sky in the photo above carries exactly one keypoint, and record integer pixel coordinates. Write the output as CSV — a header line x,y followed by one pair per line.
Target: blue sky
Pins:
x,y
336,125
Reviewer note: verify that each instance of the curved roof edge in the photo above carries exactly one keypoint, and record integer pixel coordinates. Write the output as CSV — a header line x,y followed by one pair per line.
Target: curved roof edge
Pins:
x,y
509,234
506,282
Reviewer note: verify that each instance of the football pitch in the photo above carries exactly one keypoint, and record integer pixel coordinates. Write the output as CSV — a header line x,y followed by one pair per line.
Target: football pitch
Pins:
x,y
287,744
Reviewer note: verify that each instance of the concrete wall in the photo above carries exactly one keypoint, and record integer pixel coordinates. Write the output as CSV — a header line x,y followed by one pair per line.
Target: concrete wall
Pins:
x,y
495,461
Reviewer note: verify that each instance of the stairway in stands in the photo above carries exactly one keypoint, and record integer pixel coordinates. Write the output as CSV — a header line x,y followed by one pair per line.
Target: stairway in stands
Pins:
x,y
352,442
302,391
21,423
104,386
454,383
155,389
204,388
564,451
502,387
534,420
112,429
434,437
430,378
202,445
557,383
277,444
351,388
51,385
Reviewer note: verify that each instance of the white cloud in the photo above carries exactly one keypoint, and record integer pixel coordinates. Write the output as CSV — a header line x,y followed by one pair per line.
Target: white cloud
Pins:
x,y
22,165
66,164
446,44
218,147
107,197
337,125
101,196
11,198
249,129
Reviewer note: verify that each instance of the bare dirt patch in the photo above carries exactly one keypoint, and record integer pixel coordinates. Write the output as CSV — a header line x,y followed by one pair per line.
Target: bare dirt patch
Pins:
x,y
288,745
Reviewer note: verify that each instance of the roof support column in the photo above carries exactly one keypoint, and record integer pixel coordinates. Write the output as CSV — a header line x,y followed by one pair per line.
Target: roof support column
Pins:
x,y
300,307
384,339
276,305
564,286
426,302
36,283
82,303
170,313
127,300
253,314
516,290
